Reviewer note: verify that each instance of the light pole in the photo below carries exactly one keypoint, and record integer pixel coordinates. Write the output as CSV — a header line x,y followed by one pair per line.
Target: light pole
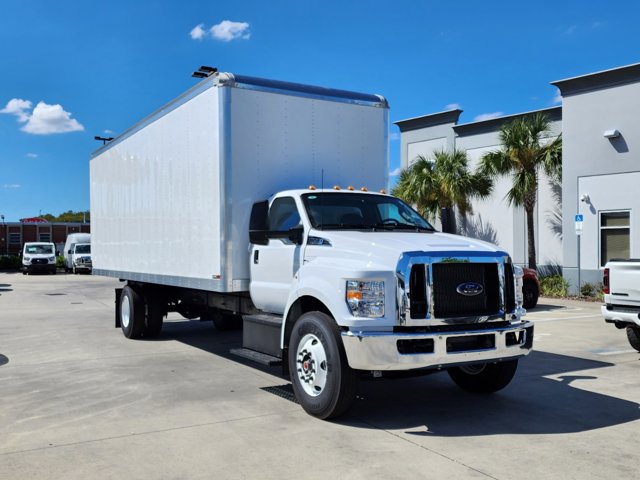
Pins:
x,y
4,236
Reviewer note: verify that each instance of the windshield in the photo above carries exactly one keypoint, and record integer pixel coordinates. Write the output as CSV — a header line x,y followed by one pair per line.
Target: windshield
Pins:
x,y
83,248
360,211
39,249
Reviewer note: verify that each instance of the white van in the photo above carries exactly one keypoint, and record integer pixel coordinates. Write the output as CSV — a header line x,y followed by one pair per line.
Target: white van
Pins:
x,y
38,257
69,248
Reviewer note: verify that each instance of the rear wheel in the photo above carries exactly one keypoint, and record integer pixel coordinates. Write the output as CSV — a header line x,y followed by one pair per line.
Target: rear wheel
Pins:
x,y
633,335
132,319
323,382
484,377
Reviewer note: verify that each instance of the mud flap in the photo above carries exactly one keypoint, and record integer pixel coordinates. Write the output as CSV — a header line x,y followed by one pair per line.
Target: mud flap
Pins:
x,y
118,295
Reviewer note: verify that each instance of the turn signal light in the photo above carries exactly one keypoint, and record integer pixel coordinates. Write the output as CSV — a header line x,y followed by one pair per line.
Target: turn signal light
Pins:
x,y
312,187
336,187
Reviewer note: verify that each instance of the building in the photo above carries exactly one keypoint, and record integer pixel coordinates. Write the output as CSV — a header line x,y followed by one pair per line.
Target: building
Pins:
x,y
492,220
601,166
13,235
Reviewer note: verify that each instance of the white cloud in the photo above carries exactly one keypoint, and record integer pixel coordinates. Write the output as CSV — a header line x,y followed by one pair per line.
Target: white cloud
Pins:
x,y
108,132
18,107
394,136
487,116
395,173
452,106
571,30
31,155
45,119
228,30
557,98
198,32
11,185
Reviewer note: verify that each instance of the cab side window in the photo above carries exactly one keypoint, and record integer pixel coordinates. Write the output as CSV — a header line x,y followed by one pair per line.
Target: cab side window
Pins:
x,y
283,214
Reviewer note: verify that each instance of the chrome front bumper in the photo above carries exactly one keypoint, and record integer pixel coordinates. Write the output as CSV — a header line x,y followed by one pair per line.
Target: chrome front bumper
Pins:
x,y
382,350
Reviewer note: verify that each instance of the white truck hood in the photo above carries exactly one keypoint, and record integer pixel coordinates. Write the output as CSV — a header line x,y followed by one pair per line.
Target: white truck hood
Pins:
x,y
382,249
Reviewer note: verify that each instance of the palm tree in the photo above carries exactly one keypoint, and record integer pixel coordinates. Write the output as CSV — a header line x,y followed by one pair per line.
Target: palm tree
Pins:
x,y
441,183
524,153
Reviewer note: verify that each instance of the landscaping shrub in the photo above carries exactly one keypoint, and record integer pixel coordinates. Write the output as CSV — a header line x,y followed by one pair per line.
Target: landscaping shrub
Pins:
x,y
554,286
10,262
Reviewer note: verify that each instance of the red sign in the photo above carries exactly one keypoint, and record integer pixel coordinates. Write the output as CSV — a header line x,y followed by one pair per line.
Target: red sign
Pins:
x,y
34,220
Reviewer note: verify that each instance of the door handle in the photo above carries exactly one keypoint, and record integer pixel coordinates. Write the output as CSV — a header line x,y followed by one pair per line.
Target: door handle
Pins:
x,y
256,256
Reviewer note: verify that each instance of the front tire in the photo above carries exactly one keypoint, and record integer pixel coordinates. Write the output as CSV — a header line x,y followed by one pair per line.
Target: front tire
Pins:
x,y
323,382
132,319
484,378
633,335
530,294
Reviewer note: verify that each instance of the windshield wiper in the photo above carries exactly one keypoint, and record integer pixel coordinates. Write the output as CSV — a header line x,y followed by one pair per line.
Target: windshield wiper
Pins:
x,y
403,226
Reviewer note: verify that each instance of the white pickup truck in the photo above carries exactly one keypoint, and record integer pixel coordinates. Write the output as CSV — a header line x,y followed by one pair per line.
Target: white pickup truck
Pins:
x,y
621,282
207,208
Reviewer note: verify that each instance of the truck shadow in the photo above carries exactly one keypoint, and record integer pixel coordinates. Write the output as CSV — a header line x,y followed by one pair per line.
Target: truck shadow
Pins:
x,y
531,404
432,405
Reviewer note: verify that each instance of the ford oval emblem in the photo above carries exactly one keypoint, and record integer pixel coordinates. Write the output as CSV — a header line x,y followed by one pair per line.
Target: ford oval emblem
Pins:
x,y
470,289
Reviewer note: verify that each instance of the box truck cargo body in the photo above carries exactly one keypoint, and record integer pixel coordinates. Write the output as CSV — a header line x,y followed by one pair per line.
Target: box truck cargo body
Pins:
x,y
171,198
257,202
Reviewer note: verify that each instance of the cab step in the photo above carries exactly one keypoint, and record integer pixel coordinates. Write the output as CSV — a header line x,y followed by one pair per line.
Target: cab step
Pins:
x,y
261,358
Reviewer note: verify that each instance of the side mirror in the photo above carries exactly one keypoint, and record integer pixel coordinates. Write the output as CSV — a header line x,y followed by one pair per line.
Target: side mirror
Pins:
x,y
69,252
258,237
57,253
296,234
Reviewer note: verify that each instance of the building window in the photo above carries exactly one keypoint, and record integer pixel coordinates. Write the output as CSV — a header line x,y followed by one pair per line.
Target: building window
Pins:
x,y
615,235
14,238
45,237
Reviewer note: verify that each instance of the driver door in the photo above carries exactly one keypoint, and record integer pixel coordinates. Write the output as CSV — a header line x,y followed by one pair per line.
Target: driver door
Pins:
x,y
274,266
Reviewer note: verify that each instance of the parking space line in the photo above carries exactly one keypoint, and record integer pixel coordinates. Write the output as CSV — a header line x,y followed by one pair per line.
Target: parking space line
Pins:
x,y
554,319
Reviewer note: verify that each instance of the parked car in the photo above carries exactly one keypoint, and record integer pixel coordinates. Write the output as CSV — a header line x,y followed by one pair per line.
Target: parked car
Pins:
x,y
622,297
38,257
530,288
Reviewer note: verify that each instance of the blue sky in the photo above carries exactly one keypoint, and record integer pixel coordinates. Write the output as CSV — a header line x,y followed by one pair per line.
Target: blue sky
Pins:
x,y
73,69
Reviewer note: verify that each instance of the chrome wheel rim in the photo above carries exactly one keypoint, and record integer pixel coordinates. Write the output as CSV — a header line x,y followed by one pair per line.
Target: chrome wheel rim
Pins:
x,y
125,314
311,365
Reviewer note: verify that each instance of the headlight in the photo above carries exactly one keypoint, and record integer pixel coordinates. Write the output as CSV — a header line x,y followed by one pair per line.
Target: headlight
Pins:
x,y
51,259
518,272
365,299
27,259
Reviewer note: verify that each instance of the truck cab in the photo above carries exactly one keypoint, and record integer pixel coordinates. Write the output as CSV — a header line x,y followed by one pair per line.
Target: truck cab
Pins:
x,y
361,280
81,258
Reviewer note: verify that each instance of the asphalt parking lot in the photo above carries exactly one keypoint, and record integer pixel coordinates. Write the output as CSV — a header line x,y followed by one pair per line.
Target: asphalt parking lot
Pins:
x,y
78,400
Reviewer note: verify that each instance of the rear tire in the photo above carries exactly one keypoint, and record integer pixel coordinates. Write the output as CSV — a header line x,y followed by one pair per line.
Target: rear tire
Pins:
x,y
323,382
154,319
132,319
530,294
484,378
633,335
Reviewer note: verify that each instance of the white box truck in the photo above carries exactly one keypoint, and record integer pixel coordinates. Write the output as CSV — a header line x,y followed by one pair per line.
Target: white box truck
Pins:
x,y
77,253
213,207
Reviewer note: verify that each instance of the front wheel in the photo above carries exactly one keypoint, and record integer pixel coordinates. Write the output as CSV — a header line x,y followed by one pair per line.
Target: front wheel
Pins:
x,y
633,335
530,294
484,377
323,382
